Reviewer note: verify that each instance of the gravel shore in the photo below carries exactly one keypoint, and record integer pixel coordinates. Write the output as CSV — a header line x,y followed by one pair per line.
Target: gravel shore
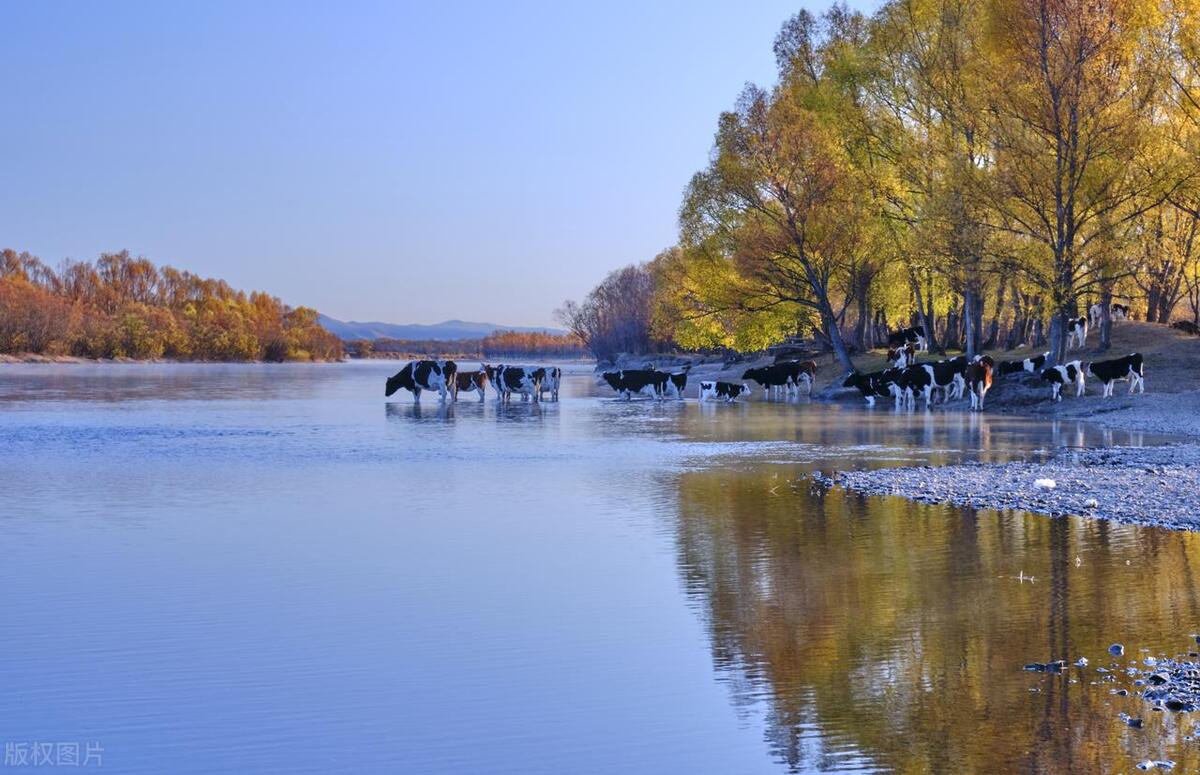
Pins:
x,y
1157,486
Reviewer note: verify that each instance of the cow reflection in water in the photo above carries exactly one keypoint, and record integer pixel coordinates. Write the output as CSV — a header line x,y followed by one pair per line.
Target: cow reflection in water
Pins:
x,y
414,411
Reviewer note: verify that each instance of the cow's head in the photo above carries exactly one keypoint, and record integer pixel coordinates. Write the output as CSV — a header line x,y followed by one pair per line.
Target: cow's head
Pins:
x,y
752,374
853,379
613,378
401,379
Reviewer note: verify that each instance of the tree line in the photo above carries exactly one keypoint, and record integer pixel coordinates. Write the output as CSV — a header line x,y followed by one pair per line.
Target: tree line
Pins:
x,y
986,169
125,307
498,344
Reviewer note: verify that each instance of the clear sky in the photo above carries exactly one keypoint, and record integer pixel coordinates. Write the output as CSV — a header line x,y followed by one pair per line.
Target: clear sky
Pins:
x,y
407,162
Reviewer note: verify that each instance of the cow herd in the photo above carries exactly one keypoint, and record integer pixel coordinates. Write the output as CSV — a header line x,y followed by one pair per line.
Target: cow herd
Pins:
x,y
906,382
780,379
954,377
531,382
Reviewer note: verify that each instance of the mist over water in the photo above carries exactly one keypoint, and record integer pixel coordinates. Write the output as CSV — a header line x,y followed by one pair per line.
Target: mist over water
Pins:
x,y
270,567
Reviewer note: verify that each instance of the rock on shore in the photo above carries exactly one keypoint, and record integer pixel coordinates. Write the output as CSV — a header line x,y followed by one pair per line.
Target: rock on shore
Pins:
x,y
1158,486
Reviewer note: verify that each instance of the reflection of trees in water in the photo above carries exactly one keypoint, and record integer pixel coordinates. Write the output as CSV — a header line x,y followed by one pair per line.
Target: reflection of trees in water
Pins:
x,y
898,631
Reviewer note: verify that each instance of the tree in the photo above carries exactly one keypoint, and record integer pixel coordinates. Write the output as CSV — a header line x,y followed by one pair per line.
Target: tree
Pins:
x,y
782,195
1071,121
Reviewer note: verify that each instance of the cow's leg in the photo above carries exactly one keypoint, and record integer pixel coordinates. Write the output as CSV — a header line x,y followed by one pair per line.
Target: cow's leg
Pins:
x,y
1056,390
416,395
871,401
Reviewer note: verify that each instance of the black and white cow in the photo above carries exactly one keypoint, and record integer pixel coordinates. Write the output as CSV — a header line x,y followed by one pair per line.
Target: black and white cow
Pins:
x,y
783,377
526,380
1061,376
550,382
1077,331
1032,365
914,336
718,390
902,357
423,375
647,382
877,384
1112,372
922,379
1116,312
676,383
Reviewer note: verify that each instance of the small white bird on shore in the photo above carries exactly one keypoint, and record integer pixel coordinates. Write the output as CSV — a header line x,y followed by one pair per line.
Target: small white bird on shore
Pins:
x,y
1044,484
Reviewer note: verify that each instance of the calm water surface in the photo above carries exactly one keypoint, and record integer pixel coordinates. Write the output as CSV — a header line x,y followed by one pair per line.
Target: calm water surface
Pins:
x,y
270,568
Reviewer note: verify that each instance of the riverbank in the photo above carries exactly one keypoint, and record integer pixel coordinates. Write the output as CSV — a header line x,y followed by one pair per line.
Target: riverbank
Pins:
x,y
1156,486
1153,486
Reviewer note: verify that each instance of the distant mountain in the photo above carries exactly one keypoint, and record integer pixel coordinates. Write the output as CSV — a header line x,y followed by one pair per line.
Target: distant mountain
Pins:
x,y
449,329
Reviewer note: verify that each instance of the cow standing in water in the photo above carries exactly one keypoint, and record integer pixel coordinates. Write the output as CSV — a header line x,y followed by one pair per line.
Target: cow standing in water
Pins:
x,y
526,380
423,375
470,380
979,380
647,382
550,382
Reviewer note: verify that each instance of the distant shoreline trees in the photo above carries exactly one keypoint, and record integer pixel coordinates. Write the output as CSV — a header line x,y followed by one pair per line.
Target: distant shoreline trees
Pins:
x,y
125,307
498,344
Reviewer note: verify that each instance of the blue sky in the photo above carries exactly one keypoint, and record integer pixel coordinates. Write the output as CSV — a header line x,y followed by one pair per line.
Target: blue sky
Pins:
x,y
391,161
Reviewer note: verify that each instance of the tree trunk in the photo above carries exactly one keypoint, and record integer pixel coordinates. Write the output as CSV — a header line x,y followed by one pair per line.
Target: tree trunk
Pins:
x,y
1037,334
1152,303
925,315
1058,338
971,332
993,334
1105,318
950,339
834,335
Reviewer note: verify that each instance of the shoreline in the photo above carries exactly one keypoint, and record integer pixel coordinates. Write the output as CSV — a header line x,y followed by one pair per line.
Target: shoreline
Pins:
x,y
1152,486
58,360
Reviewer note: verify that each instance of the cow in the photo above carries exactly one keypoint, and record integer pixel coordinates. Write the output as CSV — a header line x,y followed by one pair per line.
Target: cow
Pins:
x,y
903,356
1060,376
1077,331
677,383
423,375
727,390
526,380
1032,365
801,371
914,336
784,376
979,380
1112,372
923,378
470,380
1116,312
648,382
550,381
876,384
1186,326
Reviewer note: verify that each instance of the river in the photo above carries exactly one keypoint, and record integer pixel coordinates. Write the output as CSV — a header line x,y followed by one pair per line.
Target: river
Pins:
x,y
266,568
